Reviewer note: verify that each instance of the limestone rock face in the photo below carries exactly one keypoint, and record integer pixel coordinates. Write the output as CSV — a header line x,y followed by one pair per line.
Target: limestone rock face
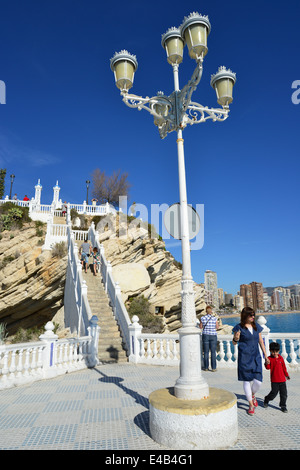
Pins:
x,y
31,281
132,277
159,280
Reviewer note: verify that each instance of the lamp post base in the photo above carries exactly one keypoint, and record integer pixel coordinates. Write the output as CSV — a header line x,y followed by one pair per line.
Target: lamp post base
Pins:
x,y
208,424
191,384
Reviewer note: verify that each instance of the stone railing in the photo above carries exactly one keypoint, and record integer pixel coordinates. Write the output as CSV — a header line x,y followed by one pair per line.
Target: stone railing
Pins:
x,y
42,212
90,209
28,362
164,348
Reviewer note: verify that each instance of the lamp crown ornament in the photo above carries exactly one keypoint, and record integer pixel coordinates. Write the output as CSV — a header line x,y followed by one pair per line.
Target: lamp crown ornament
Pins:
x,y
193,18
223,72
125,55
171,32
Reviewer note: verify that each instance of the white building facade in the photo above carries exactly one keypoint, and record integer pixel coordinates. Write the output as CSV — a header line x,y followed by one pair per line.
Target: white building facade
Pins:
x,y
211,286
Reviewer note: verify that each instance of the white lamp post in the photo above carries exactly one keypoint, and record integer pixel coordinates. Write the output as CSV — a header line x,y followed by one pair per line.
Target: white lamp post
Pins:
x,y
173,113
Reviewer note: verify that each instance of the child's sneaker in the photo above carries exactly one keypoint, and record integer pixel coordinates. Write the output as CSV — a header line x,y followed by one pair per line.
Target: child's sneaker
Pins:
x,y
250,411
254,401
283,409
266,404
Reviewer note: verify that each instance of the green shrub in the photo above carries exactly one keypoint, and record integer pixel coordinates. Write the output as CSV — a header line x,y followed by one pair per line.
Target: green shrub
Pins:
x,y
59,250
3,333
140,306
12,216
25,335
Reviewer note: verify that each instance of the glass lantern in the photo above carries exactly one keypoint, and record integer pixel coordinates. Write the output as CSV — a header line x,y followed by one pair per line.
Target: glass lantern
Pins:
x,y
174,44
194,30
124,65
223,82
161,106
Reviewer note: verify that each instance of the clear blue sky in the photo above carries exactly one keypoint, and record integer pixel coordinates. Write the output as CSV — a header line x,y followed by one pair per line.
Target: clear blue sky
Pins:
x,y
64,118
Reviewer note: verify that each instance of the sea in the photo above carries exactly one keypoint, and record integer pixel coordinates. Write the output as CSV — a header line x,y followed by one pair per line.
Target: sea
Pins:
x,y
278,323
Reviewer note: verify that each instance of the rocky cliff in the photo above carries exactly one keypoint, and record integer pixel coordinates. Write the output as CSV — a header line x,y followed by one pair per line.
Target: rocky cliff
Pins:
x,y
31,281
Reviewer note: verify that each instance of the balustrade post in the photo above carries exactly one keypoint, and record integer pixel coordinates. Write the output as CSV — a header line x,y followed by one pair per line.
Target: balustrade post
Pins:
x,y
49,353
84,290
117,292
265,333
77,279
94,332
47,244
135,330
108,270
30,205
68,216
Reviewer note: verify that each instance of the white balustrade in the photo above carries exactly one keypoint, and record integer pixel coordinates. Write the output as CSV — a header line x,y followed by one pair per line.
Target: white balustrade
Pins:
x,y
59,231
27,362
79,234
164,348
93,210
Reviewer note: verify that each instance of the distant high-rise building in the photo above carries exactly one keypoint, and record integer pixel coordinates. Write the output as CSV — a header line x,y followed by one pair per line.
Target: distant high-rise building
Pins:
x,y
211,285
253,295
267,302
257,296
277,299
221,296
295,302
228,299
282,298
246,293
238,302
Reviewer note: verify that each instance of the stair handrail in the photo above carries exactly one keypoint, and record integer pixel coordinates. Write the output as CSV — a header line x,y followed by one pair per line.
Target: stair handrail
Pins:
x,y
83,310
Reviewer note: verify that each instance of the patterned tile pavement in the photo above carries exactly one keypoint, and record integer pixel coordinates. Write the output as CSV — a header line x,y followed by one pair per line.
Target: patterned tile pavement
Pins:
x,y
106,408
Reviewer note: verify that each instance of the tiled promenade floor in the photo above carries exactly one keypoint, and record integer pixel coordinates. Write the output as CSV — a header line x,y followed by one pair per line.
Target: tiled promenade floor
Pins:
x,y
106,408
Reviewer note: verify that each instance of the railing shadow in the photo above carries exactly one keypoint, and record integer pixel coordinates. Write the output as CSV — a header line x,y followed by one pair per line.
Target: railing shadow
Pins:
x,y
139,399
142,419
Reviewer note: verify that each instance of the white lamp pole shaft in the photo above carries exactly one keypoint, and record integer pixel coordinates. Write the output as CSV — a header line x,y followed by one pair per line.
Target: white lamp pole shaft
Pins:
x,y
190,385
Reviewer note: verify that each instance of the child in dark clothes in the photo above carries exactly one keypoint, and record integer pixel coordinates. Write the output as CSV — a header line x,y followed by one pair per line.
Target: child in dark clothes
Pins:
x,y
279,375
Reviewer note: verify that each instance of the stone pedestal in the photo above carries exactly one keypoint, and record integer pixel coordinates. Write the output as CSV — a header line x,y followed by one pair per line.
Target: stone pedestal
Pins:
x,y
206,424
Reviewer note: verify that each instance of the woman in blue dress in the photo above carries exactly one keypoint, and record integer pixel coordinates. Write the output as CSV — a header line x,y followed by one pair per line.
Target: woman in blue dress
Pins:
x,y
247,334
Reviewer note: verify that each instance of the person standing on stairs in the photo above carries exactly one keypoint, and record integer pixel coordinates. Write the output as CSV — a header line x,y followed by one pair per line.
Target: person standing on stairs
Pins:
x,y
96,261
64,208
85,251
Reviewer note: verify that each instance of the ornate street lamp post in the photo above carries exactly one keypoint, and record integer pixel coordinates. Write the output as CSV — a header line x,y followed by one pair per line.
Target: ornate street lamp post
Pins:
x,y
12,177
174,113
87,191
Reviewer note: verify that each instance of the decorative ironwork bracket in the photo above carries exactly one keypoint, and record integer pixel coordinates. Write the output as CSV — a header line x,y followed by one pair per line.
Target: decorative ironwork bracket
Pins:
x,y
181,110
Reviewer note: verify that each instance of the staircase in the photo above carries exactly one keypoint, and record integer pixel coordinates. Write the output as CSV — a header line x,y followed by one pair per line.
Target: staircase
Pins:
x,y
110,347
59,220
